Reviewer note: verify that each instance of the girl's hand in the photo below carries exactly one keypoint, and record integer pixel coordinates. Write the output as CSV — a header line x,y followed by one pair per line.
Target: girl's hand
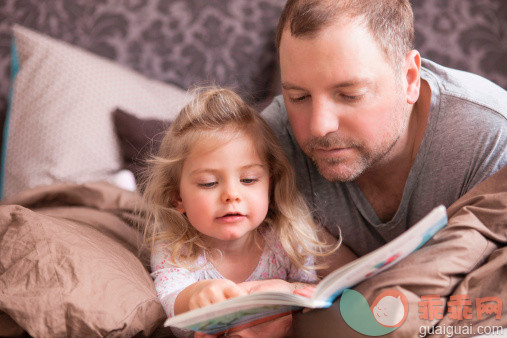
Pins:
x,y
212,291
278,285
307,291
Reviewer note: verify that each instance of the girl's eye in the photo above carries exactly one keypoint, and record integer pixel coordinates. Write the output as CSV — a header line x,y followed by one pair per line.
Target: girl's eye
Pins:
x,y
249,180
207,184
298,99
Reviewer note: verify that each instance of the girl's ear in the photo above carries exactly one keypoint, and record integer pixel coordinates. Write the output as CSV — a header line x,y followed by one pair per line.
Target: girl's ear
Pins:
x,y
178,203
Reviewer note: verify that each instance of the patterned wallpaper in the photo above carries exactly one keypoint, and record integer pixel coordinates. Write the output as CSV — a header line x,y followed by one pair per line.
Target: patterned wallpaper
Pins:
x,y
184,42
469,35
188,42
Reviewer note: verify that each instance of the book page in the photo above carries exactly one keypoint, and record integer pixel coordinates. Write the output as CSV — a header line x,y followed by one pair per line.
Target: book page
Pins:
x,y
255,308
218,322
382,258
235,312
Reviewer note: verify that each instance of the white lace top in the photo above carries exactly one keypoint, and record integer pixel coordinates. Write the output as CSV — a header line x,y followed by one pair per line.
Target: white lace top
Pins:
x,y
274,263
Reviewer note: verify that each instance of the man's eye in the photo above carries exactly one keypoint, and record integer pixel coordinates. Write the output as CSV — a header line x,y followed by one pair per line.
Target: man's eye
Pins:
x,y
249,180
351,98
207,184
298,99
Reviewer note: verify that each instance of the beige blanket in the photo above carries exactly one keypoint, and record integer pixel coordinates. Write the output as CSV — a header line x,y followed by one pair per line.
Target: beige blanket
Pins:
x,y
69,265
467,257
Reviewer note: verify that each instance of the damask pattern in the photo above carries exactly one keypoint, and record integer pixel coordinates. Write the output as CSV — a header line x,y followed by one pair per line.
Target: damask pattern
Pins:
x,y
467,34
189,42
184,42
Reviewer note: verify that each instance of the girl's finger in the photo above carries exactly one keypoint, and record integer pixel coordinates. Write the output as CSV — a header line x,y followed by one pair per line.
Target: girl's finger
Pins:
x,y
305,292
234,291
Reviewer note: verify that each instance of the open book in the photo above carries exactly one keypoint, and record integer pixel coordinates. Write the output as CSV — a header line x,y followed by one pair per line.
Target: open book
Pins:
x,y
245,311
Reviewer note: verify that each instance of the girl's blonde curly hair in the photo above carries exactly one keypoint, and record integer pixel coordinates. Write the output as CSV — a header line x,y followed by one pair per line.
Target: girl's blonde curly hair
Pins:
x,y
222,115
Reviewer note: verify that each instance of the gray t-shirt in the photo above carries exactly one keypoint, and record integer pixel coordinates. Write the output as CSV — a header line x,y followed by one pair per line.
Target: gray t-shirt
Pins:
x,y
464,143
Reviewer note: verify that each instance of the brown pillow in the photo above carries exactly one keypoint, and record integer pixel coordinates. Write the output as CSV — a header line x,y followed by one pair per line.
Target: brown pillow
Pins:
x,y
63,277
139,138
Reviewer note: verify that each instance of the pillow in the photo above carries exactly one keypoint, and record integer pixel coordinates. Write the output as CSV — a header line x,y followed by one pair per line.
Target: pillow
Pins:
x,y
59,127
139,138
67,278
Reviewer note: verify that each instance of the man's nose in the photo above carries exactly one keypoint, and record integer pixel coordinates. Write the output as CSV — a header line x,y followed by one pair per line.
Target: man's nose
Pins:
x,y
324,118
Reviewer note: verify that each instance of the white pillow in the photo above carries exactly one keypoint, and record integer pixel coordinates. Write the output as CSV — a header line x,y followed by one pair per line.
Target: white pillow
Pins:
x,y
60,127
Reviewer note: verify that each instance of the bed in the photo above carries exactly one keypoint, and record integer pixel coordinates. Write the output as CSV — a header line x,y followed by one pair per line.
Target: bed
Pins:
x,y
94,85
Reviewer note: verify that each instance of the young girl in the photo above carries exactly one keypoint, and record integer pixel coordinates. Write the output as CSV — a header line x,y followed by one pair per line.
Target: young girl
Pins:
x,y
224,208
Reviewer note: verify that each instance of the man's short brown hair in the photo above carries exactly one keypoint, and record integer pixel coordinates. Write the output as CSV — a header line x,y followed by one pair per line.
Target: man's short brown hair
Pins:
x,y
391,22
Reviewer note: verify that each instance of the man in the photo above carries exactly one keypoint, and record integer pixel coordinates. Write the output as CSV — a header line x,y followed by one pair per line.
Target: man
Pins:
x,y
378,136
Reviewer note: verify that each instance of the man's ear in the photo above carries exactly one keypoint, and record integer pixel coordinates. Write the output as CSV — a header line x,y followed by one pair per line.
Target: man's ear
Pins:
x,y
412,75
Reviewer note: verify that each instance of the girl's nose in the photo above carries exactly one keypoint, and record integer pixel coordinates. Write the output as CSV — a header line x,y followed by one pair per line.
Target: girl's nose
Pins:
x,y
230,194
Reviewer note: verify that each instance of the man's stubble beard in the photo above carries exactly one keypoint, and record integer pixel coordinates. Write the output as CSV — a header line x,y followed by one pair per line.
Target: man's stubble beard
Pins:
x,y
337,169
